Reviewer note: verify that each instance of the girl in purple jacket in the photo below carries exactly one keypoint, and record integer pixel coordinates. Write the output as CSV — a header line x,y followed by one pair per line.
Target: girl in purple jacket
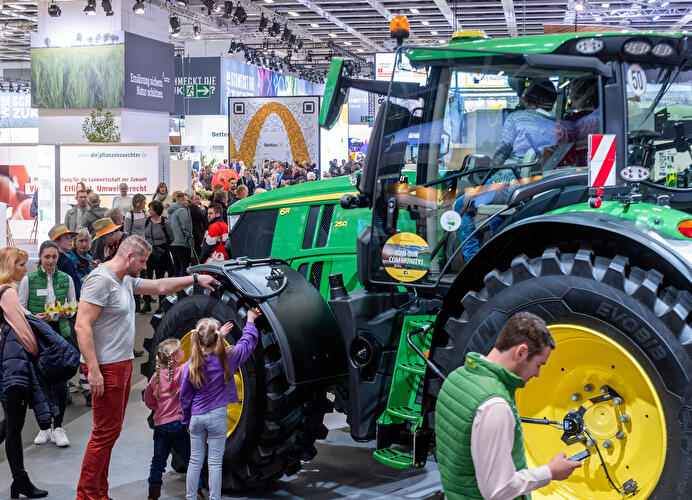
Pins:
x,y
207,386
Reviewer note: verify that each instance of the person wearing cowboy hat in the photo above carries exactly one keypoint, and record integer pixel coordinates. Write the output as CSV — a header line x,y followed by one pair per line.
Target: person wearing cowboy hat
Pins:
x,y
62,236
110,234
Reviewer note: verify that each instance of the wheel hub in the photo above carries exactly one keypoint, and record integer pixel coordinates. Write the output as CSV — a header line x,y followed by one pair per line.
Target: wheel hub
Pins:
x,y
629,429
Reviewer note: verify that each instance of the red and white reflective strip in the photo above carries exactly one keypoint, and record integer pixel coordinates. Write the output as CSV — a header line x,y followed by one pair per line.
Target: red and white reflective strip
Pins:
x,y
602,171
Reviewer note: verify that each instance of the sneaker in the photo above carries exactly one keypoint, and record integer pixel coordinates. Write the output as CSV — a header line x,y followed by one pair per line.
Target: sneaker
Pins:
x,y
43,437
59,437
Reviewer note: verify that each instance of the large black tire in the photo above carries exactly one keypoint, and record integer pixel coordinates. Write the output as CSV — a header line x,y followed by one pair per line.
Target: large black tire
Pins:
x,y
279,422
630,305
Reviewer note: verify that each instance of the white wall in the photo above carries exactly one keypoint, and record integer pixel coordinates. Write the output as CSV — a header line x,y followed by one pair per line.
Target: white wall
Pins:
x,y
65,125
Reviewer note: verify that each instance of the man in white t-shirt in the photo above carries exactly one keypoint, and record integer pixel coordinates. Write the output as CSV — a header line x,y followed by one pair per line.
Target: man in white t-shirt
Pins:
x,y
106,334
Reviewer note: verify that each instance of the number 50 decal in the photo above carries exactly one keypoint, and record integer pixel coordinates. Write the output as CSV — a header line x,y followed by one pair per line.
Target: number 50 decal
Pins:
x,y
636,79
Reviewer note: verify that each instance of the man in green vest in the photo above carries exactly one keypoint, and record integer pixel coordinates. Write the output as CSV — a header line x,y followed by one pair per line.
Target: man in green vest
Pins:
x,y
480,446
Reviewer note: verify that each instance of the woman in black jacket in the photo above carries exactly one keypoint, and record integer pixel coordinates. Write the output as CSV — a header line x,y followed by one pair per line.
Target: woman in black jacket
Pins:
x,y
18,387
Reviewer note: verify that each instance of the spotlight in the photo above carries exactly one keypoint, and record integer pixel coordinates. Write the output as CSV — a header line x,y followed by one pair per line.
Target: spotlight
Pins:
x,y
286,34
197,29
90,9
232,48
107,7
300,44
240,15
175,26
182,3
291,39
138,7
54,10
275,29
227,10
262,23
211,6
309,57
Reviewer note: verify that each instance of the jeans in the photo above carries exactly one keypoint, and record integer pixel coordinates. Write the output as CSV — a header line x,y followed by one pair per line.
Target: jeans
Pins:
x,y
181,260
471,245
15,413
172,435
212,425
60,394
108,411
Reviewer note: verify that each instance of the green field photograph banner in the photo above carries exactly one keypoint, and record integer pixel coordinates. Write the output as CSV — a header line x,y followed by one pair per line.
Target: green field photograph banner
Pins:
x,y
78,77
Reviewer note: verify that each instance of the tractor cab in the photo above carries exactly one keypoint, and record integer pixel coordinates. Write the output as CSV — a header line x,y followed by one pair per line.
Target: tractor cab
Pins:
x,y
504,130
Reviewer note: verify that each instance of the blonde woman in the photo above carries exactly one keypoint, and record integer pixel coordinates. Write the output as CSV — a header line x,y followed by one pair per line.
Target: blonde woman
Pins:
x,y
205,390
20,342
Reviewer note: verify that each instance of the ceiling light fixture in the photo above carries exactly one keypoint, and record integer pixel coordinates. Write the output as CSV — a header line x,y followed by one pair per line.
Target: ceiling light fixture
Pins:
x,y
107,7
275,29
175,26
286,34
90,9
211,6
240,16
314,25
262,23
197,29
360,50
433,33
54,10
137,8
292,14
268,1
332,35
414,11
228,9
425,23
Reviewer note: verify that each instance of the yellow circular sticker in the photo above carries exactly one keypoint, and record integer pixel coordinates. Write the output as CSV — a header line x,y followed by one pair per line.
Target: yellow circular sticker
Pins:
x,y
406,257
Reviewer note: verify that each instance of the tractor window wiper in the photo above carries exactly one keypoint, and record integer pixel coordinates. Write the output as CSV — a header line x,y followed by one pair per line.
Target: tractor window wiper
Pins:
x,y
664,88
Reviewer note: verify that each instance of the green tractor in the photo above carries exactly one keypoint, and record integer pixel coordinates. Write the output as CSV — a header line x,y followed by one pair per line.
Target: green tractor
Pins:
x,y
548,174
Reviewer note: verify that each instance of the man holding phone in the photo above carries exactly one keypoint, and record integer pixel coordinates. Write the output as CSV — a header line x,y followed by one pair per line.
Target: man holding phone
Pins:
x,y
480,446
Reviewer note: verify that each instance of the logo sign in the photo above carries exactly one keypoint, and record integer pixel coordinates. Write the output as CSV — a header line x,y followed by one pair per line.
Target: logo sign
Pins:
x,y
198,90
602,160
636,79
366,119
450,221
406,257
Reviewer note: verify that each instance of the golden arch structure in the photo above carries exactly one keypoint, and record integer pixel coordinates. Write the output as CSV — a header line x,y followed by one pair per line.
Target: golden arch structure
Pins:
x,y
248,145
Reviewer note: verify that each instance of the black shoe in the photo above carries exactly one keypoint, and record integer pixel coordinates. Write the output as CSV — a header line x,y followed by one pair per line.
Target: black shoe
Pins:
x,y
23,486
137,353
146,308
154,492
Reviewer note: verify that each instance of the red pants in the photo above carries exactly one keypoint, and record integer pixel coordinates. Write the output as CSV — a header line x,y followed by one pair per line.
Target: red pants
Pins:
x,y
109,413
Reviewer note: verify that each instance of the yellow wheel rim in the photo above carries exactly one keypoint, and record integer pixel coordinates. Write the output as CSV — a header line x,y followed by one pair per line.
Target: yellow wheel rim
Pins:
x,y
585,359
233,410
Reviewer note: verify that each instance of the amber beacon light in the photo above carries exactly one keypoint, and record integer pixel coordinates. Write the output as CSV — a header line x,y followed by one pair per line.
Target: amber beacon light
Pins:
x,y
399,28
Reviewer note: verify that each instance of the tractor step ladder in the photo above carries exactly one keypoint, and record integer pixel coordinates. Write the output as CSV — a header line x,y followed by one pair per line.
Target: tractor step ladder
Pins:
x,y
407,376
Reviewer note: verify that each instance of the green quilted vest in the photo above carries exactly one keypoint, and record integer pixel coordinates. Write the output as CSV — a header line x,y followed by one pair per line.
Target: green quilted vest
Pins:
x,y
462,393
38,280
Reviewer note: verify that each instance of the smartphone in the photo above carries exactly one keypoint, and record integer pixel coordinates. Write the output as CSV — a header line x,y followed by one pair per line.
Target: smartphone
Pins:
x,y
580,456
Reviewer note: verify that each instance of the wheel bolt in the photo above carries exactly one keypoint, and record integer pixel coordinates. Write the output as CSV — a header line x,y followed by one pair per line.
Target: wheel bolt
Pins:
x,y
589,443
618,401
620,435
603,389
581,437
624,418
588,388
576,397
607,444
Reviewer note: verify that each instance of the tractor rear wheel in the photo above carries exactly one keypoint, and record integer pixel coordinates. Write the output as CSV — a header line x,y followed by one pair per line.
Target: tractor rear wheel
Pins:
x,y
272,430
615,325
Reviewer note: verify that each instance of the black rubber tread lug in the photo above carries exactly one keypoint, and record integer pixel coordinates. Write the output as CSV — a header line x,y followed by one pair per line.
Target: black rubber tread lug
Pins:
x,y
617,272
523,269
473,300
583,264
551,264
494,282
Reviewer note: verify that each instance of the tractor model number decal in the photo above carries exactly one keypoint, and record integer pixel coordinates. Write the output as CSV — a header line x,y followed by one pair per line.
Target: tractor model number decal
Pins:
x,y
341,223
284,211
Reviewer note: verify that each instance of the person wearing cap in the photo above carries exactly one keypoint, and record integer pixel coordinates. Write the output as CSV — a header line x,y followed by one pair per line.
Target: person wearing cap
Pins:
x,y
527,131
123,202
106,335
62,236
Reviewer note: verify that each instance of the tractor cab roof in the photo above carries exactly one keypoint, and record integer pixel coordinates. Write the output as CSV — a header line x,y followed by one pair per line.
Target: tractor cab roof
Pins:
x,y
668,48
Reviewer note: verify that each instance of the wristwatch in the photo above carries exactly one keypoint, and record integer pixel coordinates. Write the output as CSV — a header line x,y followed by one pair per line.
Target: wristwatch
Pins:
x,y
194,278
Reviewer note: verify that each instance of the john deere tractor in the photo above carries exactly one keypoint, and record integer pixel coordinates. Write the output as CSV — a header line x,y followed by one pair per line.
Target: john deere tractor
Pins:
x,y
548,174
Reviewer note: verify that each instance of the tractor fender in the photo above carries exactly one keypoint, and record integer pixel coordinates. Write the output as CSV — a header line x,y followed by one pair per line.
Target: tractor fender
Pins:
x,y
305,328
645,248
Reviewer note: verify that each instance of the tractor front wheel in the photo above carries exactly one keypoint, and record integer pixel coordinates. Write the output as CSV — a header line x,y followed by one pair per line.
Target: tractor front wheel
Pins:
x,y
273,428
615,326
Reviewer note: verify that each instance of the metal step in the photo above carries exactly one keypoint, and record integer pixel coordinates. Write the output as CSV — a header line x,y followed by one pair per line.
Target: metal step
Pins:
x,y
416,368
393,458
404,412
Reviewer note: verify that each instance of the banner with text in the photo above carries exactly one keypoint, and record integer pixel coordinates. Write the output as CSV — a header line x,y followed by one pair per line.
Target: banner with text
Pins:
x,y
102,168
275,128
149,73
197,89
16,110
